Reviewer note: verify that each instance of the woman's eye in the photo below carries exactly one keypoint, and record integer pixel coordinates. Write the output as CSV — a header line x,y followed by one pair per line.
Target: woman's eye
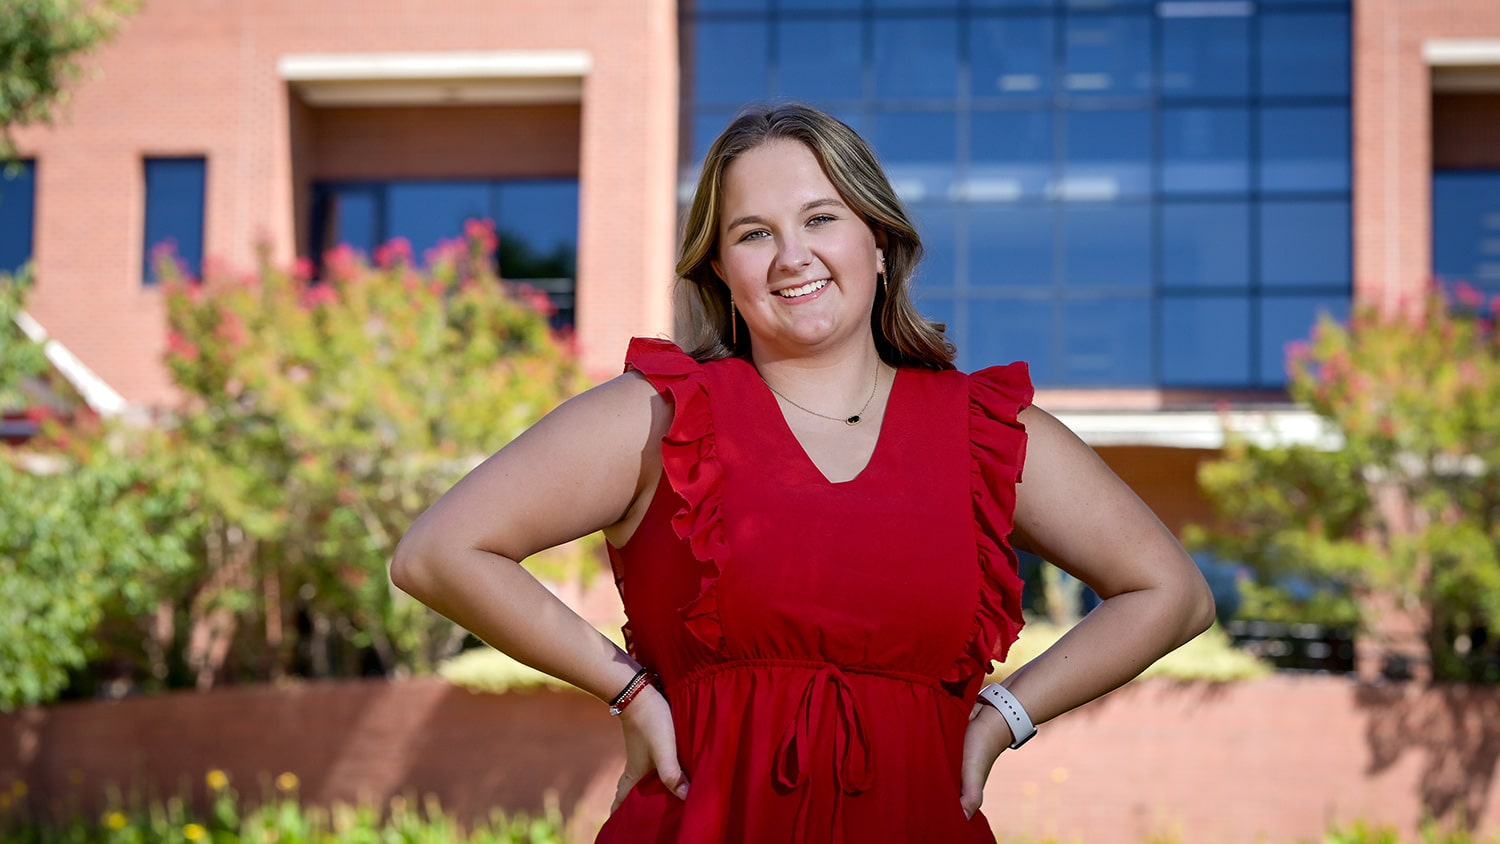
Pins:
x,y
820,219
755,234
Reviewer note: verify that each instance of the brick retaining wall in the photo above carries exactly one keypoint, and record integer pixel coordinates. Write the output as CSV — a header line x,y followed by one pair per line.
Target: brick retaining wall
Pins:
x,y
1271,761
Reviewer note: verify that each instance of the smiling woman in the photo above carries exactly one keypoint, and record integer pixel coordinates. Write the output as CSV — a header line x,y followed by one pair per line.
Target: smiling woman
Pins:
x,y
810,519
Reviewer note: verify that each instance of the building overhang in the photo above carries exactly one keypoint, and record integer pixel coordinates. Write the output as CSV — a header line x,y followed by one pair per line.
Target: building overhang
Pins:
x,y
501,77
1201,429
1462,65
95,391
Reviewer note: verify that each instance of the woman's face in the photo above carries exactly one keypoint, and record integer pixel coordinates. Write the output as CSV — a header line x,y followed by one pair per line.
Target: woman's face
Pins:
x,y
799,262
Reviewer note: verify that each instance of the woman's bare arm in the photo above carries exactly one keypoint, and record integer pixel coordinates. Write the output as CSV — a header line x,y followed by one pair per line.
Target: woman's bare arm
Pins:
x,y
584,467
1074,512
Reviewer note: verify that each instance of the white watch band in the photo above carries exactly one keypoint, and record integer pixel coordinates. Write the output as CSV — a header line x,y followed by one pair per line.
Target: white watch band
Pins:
x,y
1021,728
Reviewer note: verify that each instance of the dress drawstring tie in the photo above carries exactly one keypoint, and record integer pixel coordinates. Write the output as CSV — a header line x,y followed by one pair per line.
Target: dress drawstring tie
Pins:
x,y
854,768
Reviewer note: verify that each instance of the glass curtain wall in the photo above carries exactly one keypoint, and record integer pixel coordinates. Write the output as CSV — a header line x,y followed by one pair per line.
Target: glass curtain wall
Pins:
x,y
1125,193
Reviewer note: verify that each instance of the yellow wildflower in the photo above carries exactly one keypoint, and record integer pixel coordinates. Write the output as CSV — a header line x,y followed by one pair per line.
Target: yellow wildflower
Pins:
x,y
217,780
194,832
4,802
287,781
18,789
115,820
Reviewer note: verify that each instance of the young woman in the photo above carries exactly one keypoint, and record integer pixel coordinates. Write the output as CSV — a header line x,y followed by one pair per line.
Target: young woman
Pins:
x,y
810,515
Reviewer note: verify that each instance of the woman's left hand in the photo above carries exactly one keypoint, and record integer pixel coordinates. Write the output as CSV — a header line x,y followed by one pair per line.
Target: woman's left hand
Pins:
x,y
985,739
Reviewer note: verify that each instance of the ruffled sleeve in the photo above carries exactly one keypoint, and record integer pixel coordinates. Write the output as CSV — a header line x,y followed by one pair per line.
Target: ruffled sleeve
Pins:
x,y
997,452
691,464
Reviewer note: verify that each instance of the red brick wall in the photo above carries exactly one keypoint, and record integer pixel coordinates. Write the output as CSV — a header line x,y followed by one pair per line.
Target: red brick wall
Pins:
x,y
1393,129
1268,762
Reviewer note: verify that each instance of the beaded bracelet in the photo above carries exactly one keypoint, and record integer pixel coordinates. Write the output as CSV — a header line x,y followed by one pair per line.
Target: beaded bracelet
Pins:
x,y
641,680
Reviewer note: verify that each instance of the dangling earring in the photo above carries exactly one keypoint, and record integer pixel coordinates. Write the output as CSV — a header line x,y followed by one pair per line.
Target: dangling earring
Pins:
x,y
885,283
734,325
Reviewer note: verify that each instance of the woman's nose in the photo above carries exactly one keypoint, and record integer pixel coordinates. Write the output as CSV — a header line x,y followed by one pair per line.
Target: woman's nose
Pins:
x,y
793,255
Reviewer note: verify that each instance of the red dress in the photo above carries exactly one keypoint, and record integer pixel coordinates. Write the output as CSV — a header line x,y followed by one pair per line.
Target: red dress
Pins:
x,y
821,643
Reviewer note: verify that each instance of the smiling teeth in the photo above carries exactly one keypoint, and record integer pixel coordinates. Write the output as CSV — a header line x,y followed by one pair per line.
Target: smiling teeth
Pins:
x,y
810,287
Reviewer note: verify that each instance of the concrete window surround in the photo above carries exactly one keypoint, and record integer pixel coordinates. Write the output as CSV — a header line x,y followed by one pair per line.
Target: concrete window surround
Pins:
x,y
1463,64
458,78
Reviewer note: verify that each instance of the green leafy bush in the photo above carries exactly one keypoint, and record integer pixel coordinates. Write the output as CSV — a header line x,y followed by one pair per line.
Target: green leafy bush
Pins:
x,y
1404,518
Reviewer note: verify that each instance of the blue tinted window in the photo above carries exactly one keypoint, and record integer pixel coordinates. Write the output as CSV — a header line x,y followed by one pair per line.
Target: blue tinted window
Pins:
x,y
174,211
1205,244
1011,245
538,226
1108,56
17,214
350,217
1011,154
936,306
1108,154
1107,342
919,150
707,124
820,60
1205,150
1005,330
1011,58
938,226
1304,149
916,4
1205,341
1205,57
1106,244
1106,4
1304,55
429,213
728,5
1465,228
822,4
916,58
1285,319
1012,4
1305,243
730,65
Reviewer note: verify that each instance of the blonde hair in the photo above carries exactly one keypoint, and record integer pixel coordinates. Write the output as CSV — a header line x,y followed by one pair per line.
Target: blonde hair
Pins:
x,y
903,337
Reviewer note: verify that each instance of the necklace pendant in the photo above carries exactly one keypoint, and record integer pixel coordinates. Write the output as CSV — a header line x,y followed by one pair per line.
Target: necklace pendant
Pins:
x,y
852,421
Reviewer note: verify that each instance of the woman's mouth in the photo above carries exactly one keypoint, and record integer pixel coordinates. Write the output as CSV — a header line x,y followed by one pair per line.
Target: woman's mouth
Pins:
x,y
806,289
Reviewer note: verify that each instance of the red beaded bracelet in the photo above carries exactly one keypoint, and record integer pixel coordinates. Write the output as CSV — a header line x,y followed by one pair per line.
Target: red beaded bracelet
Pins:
x,y
641,680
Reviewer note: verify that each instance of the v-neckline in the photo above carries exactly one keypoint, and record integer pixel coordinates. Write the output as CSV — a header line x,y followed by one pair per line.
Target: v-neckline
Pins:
x,y
786,431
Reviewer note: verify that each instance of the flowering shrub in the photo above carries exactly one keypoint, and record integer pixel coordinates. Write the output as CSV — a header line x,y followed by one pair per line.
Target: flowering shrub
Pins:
x,y
1406,516
320,417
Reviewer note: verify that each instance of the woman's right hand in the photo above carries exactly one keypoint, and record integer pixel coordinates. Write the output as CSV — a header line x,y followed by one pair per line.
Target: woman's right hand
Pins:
x,y
650,746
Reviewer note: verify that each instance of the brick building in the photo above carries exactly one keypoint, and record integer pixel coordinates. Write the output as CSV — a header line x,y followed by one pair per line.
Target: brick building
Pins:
x,y
1145,199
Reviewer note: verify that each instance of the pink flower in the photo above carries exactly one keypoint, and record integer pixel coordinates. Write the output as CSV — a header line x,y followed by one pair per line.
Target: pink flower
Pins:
x,y
302,268
231,328
1467,295
341,262
535,299
181,347
482,232
319,295
397,250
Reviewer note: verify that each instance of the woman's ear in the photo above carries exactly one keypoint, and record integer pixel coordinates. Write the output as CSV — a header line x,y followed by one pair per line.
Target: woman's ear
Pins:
x,y
714,262
880,258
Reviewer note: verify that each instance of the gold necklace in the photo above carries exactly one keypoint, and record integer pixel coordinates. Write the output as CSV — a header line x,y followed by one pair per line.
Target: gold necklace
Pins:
x,y
851,421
